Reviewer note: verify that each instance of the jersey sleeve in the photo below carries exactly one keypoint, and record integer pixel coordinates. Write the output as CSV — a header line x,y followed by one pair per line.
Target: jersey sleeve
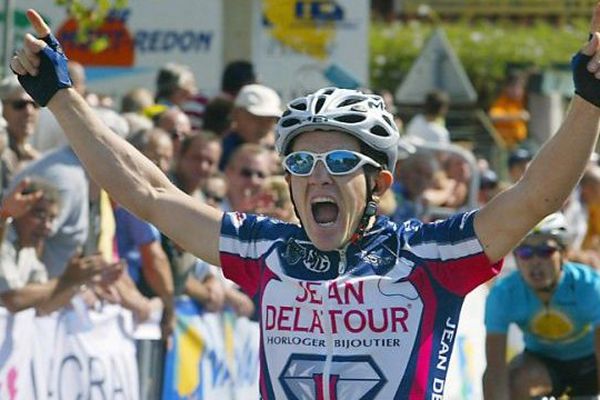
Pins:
x,y
244,240
497,318
452,252
592,295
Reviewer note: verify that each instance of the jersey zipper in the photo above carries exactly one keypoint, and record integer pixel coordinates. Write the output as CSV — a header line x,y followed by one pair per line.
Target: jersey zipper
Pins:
x,y
329,338
329,356
343,261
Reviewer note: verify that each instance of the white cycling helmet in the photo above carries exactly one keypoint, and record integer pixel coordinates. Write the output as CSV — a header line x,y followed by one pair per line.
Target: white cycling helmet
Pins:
x,y
350,111
555,226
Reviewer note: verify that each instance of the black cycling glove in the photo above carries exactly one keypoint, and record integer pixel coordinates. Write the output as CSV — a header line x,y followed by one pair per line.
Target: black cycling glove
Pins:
x,y
52,73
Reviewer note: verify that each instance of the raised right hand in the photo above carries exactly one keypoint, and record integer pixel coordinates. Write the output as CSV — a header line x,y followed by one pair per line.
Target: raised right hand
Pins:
x,y
16,203
26,60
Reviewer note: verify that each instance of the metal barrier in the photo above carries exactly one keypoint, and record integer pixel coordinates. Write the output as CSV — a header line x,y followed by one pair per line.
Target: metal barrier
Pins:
x,y
150,360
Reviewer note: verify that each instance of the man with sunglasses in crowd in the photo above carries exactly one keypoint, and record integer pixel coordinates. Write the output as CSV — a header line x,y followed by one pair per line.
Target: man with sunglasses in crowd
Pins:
x,y
351,305
21,114
556,304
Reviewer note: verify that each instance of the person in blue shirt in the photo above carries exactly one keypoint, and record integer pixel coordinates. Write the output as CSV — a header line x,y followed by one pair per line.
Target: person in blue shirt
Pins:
x,y
556,304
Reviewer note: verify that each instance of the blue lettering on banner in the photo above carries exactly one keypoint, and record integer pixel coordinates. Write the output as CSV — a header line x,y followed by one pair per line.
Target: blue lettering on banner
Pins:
x,y
169,41
69,360
98,385
220,371
319,10
247,355
97,376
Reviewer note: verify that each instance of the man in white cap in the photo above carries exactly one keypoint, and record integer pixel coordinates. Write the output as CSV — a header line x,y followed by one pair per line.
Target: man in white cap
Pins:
x,y
256,110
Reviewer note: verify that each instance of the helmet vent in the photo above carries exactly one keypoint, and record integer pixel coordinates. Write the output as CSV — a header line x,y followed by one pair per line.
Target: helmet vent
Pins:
x,y
319,104
379,131
351,118
388,121
329,91
349,102
301,106
286,123
286,113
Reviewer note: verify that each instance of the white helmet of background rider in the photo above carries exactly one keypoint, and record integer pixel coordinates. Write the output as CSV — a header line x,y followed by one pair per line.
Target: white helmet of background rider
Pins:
x,y
554,226
350,111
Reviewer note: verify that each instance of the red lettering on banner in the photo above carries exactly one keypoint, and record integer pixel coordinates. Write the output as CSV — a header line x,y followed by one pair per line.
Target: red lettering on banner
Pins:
x,y
297,327
357,292
332,314
284,317
360,317
401,319
270,313
334,293
309,294
371,318
350,290
316,323
297,319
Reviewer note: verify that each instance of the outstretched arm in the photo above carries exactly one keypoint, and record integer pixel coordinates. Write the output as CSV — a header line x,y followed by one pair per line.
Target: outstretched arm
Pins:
x,y
495,377
551,176
130,178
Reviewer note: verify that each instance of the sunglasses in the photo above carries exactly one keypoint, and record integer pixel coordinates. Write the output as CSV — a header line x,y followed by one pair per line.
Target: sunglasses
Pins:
x,y
337,162
21,104
526,252
214,197
249,173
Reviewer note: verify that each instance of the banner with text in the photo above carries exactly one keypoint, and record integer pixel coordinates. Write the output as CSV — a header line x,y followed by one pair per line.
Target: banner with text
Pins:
x,y
63,356
214,356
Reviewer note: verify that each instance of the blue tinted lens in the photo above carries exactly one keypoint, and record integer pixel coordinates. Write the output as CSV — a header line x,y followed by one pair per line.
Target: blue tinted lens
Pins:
x,y
341,161
543,251
299,163
546,251
524,252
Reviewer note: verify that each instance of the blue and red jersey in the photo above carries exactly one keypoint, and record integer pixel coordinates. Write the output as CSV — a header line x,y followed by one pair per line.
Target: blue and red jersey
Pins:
x,y
374,320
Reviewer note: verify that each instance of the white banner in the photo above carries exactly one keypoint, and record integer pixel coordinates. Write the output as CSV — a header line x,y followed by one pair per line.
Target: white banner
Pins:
x,y
59,358
16,356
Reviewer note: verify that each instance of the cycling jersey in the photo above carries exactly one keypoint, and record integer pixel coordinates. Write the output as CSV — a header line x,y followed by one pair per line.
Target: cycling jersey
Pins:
x,y
374,320
562,329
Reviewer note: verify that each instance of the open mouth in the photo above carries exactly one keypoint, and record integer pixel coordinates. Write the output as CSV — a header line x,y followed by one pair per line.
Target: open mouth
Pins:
x,y
325,211
537,275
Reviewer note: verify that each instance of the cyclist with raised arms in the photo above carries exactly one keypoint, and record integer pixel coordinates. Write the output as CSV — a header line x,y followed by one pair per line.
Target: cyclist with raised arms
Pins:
x,y
556,304
351,305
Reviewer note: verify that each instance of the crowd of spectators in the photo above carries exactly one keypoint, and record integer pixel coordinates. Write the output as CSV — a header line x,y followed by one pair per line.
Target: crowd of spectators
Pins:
x,y
63,237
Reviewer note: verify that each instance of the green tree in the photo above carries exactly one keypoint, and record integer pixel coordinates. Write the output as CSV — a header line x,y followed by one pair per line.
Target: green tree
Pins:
x,y
485,49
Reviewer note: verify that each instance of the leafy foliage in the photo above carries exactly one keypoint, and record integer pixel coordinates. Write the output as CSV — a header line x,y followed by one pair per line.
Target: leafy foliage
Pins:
x,y
486,49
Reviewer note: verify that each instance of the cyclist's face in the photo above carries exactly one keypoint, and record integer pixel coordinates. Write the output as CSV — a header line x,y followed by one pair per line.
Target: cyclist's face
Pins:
x,y
329,206
539,261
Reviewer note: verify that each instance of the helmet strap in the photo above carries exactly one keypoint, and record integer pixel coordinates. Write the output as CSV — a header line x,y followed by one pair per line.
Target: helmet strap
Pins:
x,y
370,211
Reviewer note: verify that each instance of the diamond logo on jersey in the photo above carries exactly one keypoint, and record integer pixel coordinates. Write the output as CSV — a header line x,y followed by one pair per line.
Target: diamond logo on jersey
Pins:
x,y
351,377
